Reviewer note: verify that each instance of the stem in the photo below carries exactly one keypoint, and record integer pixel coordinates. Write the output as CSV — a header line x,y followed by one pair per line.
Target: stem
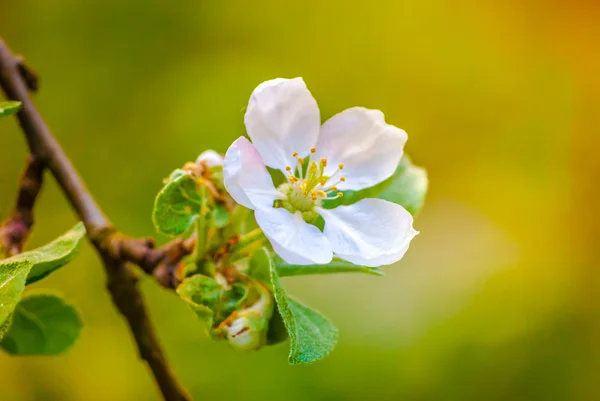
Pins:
x,y
121,280
201,230
250,237
247,244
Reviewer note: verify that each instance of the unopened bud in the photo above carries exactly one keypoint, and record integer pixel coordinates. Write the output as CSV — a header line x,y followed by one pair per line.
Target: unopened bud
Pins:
x,y
245,333
247,328
210,159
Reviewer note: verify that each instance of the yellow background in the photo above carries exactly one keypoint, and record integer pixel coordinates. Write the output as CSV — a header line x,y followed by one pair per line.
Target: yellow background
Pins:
x,y
498,298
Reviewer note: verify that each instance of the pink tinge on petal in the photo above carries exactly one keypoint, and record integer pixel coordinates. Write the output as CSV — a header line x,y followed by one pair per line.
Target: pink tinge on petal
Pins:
x,y
245,176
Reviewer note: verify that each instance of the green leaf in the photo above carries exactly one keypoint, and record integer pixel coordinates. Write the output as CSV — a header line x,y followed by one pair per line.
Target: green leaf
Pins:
x,y
177,205
231,300
209,300
5,326
202,294
406,187
276,332
337,265
12,283
53,255
312,336
42,324
31,266
259,266
8,108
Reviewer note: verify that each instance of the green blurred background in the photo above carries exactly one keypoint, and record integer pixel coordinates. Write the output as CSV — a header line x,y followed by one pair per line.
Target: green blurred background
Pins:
x,y
496,299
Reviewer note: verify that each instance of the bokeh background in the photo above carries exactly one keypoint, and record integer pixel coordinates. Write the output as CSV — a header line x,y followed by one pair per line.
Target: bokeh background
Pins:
x,y
497,299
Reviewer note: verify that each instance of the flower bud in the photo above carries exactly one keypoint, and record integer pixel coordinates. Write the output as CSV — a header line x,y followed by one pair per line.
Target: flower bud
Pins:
x,y
210,159
245,333
246,329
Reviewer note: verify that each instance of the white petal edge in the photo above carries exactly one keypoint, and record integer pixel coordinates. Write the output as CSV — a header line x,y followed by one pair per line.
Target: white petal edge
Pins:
x,y
369,148
296,241
246,178
370,232
211,158
282,118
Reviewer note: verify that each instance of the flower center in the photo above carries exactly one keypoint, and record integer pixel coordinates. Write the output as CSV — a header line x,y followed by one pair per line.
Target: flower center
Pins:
x,y
307,185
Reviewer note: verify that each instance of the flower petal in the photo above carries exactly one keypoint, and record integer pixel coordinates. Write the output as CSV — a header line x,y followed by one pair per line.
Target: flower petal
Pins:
x,y
210,158
369,148
370,232
245,176
296,241
282,118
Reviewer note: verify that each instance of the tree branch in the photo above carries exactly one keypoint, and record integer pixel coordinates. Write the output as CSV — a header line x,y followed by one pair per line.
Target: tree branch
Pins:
x,y
115,249
16,227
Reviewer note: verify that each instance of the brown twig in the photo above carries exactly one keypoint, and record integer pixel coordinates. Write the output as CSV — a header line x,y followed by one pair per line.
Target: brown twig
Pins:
x,y
16,227
31,78
114,248
161,262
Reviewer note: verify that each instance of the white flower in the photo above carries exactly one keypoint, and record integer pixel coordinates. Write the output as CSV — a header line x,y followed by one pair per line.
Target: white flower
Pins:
x,y
354,149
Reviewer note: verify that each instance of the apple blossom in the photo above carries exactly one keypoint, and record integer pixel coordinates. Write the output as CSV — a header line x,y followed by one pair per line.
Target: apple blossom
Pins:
x,y
354,149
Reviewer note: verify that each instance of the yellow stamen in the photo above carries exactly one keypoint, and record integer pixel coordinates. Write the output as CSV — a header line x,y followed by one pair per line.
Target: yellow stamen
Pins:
x,y
311,181
340,194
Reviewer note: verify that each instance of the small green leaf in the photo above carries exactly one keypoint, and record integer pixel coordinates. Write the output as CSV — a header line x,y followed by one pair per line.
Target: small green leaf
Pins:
x,y
8,108
53,255
202,294
5,326
312,336
177,205
259,266
12,283
337,265
209,300
406,187
231,301
42,324
28,267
